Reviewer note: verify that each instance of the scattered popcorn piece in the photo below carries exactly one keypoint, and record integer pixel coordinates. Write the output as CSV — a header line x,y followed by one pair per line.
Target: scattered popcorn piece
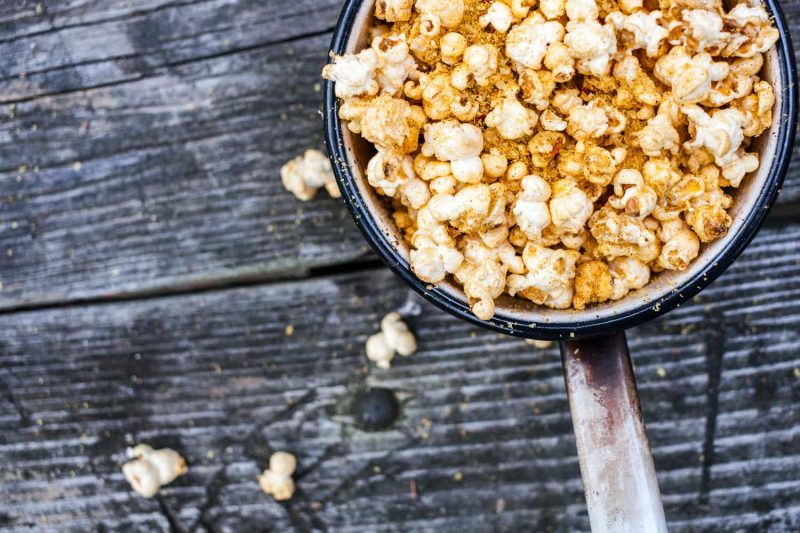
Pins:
x,y
394,338
277,479
303,175
151,469
499,16
393,10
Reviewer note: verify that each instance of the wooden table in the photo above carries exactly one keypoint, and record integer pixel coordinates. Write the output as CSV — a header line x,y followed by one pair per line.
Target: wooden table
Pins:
x,y
151,265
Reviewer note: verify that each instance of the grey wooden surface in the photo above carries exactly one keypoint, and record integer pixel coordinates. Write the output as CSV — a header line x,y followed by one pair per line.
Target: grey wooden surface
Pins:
x,y
151,261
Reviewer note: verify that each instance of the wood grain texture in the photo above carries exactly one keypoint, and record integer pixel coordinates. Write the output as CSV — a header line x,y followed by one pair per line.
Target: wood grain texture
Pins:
x,y
143,152
167,181
484,435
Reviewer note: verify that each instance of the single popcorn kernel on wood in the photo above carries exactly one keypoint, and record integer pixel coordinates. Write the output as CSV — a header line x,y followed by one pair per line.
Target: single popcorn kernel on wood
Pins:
x,y
304,175
394,338
151,469
560,151
277,480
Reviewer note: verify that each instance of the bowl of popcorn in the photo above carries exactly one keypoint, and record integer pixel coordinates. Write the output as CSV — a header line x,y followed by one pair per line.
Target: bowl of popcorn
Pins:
x,y
564,169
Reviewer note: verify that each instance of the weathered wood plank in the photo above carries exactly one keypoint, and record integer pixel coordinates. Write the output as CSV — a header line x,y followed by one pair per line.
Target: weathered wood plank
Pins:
x,y
484,434
85,44
165,175
167,181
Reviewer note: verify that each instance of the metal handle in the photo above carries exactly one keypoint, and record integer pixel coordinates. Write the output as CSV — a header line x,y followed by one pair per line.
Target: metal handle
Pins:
x,y
619,478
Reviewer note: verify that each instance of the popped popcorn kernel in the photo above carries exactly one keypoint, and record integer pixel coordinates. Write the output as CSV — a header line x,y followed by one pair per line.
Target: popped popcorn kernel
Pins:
x,y
560,151
305,174
393,10
277,480
149,469
394,338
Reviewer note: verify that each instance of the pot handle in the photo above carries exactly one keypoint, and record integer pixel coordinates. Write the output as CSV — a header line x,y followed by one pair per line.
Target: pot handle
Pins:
x,y
619,478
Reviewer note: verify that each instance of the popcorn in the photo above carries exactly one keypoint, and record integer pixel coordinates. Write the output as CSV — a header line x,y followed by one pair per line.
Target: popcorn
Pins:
x,y
622,235
393,10
384,121
550,121
544,146
658,136
482,276
395,64
640,30
757,109
721,133
560,62
531,210
499,16
520,8
511,119
593,284
702,30
631,195
570,208
581,10
469,209
151,469
277,479
552,9
707,216
353,75
629,274
450,12
689,76
394,338
438,95
452,47
527,42
461,144
480,61
629,73
600,181
594,120
755,33
537,87
304,175
680,245
550,276
592,44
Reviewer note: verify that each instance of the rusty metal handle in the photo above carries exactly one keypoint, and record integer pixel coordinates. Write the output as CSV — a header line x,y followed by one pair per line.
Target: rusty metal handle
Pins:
x,y
619,478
